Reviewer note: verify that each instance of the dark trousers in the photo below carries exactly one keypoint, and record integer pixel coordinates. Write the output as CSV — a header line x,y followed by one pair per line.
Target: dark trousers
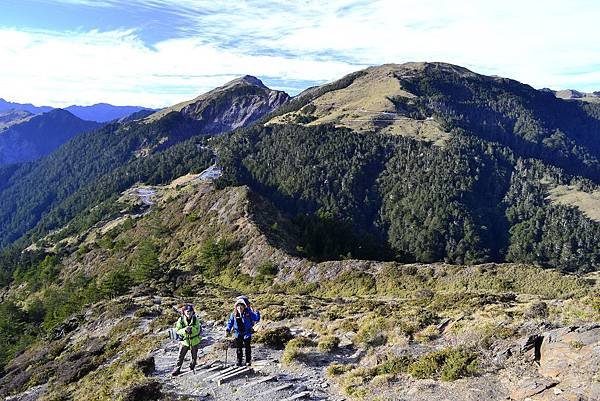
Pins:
x,y
183,351
240,344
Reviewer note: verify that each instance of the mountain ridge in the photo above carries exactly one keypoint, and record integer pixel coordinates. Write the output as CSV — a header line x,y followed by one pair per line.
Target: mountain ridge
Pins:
x,y
38,135
99,112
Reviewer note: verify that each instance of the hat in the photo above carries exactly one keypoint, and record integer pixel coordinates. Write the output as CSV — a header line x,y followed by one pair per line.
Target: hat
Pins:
x,y
188,308
240,302
244,299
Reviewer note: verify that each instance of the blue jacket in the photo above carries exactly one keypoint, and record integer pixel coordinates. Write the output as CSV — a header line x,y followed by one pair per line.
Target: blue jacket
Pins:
x,y
249,317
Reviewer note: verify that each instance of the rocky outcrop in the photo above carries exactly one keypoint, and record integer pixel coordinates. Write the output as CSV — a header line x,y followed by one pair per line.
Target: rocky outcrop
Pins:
x,y
233,105
571,355
568,365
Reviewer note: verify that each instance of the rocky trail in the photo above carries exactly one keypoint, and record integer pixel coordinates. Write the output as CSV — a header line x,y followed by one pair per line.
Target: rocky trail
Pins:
x,y
216,378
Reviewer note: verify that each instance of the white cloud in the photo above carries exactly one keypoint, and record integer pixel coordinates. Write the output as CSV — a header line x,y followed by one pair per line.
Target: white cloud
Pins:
x,y
552,44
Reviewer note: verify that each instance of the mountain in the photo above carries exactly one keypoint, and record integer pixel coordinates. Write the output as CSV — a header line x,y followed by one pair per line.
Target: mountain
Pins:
x,y
103,112
100,112
568,94
12,117
35,193
92,314
398,229
31,137
6,106
433,161
219,109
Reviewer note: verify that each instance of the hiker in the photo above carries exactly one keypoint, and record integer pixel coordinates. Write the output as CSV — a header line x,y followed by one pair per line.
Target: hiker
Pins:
x,y
188,329
241,321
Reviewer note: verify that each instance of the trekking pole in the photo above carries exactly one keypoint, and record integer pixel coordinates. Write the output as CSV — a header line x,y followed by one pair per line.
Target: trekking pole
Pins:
x,y
189,340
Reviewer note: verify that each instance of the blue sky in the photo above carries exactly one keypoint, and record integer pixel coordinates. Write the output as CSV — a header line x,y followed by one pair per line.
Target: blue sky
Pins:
x,y
160,52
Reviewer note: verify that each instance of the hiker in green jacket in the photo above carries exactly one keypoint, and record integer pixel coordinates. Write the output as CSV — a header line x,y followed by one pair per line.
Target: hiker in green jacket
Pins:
x,y
188,330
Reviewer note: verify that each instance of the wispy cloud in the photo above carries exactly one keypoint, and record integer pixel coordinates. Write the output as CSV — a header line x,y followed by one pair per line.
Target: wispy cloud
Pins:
x,y
293,44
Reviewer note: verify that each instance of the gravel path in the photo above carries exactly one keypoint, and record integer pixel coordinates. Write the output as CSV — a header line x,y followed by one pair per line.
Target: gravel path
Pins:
x,y
265,381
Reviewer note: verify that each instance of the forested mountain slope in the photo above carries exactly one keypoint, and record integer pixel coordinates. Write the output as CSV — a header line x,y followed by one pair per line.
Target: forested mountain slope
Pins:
x,y
30,191
478,191
37,136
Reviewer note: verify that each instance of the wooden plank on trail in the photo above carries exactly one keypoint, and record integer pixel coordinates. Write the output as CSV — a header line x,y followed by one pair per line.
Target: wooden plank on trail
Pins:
x,y
297,396
276,389
233,375
223,372
217,367
260,381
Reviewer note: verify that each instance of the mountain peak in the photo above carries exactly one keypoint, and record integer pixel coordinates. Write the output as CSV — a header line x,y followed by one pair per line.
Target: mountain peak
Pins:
x,y
248,80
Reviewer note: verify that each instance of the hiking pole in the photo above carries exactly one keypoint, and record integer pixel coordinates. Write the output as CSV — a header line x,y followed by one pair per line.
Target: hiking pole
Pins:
x,y
189,340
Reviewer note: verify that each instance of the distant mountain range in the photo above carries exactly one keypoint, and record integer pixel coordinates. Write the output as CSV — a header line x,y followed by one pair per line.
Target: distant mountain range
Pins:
x,y
25,137
94,166
569,94
100,112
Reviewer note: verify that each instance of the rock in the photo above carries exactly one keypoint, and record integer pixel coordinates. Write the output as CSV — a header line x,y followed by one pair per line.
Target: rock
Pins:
x,y
529,346
76,369
146,365
529,387
147,391
571,355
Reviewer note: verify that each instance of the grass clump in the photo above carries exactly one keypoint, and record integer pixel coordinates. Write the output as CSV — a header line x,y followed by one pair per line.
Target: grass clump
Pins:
x,y
293,350
275,338
328,344
448,364
337,369
393,365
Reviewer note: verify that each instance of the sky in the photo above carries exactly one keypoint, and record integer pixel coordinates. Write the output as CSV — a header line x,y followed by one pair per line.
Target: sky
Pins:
x,y
156,53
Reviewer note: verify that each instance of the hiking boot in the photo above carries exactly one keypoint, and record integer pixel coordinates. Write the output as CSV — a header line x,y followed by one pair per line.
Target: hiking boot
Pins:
x,y
192,366
175,372
248,364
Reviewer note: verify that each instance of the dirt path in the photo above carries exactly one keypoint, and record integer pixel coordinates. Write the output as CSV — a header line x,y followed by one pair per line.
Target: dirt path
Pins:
x,y
266,380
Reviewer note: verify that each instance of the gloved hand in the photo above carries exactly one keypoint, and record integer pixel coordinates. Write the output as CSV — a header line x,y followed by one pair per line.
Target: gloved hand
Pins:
x,y
188,330
227,333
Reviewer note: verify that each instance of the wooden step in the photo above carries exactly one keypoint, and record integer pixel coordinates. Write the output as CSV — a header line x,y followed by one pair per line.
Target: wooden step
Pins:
x,y
221,373
276,389
297,396
260,381
223,379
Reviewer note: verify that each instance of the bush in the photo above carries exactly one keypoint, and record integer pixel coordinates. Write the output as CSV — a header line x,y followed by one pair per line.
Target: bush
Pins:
x,y
292,350
394,365
116,283
449,364
267,268
337,369
373,331
538,310
275,338
328,344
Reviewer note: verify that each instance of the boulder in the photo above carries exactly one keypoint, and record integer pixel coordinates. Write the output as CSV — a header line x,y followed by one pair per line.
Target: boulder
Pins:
x,y
147,391
571,355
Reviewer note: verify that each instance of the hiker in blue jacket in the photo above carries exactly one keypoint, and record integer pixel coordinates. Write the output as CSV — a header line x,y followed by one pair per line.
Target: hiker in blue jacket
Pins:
x,y
241,321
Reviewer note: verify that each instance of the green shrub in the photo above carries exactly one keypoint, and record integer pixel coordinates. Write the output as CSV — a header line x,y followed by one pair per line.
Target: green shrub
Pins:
x,y
394,365
267,268
449,364
373,331
337,369
292,351
328,344
275,338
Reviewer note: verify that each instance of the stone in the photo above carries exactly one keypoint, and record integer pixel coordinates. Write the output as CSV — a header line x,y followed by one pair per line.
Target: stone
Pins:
x,y
147,391
571,355
146,365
